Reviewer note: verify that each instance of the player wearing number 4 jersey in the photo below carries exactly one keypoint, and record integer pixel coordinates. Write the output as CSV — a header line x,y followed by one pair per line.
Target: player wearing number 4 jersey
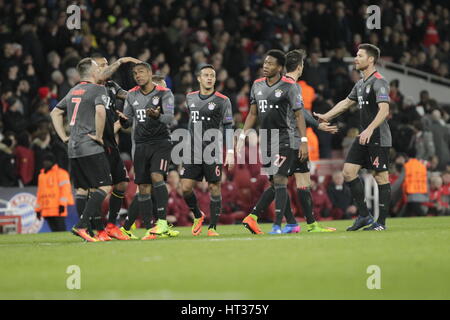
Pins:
x,y
89,168
149,108
210,112
371,149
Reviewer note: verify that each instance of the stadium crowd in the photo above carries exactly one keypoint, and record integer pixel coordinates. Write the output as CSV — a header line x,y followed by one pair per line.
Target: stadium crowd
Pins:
x,y
39,53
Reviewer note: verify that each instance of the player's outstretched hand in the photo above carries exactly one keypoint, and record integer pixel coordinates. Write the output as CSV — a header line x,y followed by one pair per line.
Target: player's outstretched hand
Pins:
x,y
153,113
65,139
121,115
303,151
325,126
321,117
96,139
229,160
364,137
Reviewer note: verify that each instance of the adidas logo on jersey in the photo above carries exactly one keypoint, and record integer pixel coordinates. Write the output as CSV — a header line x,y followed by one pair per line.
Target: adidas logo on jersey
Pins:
x,y
259,93
135,103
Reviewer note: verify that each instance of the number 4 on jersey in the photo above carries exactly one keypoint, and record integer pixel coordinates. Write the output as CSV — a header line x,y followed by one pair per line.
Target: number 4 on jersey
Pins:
x,y
376,162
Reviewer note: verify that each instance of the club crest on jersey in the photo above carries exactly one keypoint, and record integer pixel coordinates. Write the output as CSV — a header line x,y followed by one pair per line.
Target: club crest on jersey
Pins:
x,y
155,100
211,106
368,89
278,93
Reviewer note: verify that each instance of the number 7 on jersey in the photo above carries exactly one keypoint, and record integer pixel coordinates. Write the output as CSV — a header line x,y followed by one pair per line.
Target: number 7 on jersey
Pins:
x,y
77,102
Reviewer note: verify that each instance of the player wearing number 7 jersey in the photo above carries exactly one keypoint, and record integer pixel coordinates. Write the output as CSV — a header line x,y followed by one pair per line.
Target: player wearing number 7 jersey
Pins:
x,y
371,149
89,167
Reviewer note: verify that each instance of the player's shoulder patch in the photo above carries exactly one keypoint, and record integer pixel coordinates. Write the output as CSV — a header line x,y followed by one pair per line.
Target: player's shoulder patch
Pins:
x,y
260,80
378,75
160,88
284,79
218,94
134,89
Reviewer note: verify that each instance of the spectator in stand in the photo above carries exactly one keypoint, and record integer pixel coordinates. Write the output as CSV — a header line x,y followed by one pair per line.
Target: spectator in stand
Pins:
x,y
341,198
422,143
437,204
178,211
321,202
315,73
394,93
8,176
441,138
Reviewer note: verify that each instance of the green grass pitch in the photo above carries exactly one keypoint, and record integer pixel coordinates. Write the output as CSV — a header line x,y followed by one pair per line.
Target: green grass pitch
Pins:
x,y
413,256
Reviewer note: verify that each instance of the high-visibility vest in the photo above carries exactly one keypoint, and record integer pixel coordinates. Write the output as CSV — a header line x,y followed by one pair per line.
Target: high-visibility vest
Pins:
x,y
308,94
313,145
54,190
415,177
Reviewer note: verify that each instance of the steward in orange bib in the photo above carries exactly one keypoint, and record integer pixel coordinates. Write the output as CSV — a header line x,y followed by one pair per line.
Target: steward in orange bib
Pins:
x,y
54,194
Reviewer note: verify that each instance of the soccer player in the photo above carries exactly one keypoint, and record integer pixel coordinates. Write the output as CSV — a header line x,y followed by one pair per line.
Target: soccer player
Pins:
x,y
133,209
149,108
300,169
118,171
209,111
85,106
371,149
272,99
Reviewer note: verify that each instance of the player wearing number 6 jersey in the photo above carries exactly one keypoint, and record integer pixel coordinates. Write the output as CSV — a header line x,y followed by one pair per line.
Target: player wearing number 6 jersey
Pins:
x,y
210,112
371,149
150,108
89,167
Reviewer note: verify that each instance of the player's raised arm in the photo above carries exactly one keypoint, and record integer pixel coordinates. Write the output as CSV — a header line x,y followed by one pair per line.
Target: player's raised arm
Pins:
x,y
108,72
57,116
338,109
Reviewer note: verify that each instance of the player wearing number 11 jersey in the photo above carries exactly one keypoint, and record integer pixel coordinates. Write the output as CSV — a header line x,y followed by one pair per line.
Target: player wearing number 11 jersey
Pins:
x,y
371,149
149,108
